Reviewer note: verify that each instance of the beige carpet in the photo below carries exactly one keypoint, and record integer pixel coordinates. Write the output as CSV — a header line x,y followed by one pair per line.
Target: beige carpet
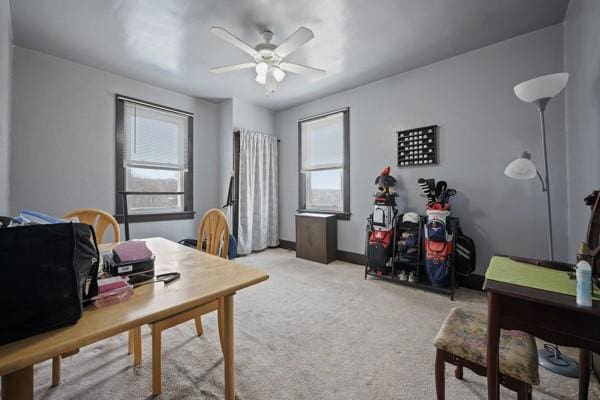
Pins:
x,y
311,332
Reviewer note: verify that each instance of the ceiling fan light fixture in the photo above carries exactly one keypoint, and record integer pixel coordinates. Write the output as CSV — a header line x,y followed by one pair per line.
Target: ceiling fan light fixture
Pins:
x,y
261,78
278,74
262,68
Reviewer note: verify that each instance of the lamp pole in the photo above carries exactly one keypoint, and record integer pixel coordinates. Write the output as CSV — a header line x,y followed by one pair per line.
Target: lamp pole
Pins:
x,y
541,105
539,91
550,356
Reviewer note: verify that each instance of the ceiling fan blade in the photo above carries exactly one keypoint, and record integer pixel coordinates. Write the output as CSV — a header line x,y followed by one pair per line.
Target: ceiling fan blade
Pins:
x,y
229,68
301,69
229,37
271,83
297,39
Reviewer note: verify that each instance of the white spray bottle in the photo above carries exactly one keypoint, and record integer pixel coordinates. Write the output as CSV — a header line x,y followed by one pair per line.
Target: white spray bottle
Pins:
x,y
584,284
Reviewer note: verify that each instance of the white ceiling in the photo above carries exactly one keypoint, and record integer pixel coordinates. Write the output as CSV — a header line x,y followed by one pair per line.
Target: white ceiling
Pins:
x,y
167,42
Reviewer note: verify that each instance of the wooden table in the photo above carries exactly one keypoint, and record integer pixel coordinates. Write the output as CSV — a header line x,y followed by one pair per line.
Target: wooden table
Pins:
x,y
204,279
548,315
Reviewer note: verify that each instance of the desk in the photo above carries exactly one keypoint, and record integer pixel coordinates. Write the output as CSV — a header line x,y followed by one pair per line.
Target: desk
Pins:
x,y
204,279
541,302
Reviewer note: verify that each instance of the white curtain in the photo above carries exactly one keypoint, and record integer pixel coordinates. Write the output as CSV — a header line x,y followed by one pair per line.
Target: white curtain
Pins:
x,y
258,197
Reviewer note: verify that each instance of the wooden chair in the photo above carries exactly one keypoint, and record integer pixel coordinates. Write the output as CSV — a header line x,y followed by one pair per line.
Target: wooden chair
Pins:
x,y
462,341
213,233
100,220
213,237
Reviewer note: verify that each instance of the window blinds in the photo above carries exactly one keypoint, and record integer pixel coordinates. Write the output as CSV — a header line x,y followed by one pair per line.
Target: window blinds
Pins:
x,y
323,143
155,138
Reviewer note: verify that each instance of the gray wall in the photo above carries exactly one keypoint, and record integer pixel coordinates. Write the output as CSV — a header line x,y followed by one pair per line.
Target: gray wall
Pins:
x,y
582,61
62,146
234,114
253,117
483,127
5,102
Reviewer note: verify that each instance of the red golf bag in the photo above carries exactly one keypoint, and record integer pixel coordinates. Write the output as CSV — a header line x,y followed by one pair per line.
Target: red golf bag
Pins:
x,y
382,226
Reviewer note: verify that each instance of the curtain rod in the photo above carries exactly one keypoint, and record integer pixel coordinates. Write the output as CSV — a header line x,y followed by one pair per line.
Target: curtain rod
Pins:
x,y
153,105
325,114
238,131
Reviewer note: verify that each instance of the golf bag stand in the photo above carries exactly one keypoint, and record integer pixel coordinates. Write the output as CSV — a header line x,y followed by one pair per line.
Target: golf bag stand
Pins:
x,y
381,235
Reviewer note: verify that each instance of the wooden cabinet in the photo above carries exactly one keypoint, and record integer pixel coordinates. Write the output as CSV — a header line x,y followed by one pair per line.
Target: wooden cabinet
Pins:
x,y
316,237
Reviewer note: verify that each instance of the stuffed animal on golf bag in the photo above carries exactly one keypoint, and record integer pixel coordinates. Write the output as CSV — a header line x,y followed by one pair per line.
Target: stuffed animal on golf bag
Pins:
x,y
382,223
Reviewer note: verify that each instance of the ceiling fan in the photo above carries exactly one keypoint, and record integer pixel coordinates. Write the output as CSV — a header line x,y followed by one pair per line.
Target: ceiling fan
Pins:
x,y
268,58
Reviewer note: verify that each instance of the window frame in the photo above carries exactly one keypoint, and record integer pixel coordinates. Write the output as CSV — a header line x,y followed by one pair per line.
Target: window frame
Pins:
x,y
188,179
302,200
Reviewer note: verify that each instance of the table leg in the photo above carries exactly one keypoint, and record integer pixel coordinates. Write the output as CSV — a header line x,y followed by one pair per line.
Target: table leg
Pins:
x,y
493,348
228,349
221,322
18,385
137,345
130,340
156,360
55,371
584,374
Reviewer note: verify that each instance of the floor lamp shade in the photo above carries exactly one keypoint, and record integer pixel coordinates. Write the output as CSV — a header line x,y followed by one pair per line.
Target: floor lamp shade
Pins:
x,y
543,87
521,168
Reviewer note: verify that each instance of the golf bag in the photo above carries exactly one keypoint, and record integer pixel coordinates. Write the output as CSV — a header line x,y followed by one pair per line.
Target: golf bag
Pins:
x,y
381,238
442,235
381,242
439,244
439,235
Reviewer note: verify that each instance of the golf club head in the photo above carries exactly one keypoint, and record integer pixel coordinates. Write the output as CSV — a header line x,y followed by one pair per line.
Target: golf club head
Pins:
x,y
440,189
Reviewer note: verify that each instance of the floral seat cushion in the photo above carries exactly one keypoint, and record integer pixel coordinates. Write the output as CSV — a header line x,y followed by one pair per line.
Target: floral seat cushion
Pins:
x,y
464,334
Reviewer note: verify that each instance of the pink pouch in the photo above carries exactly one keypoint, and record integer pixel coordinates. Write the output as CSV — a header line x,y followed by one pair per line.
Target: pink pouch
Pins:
x,y
112,291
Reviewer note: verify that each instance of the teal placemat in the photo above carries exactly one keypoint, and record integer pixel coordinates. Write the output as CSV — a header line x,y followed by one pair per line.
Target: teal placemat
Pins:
x,y
504,269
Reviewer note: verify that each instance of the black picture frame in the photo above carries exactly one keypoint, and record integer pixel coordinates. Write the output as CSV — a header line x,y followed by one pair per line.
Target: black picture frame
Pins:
x,y
418,147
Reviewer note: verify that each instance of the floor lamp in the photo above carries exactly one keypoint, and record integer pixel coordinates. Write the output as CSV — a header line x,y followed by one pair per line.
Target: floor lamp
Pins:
x,y
540,91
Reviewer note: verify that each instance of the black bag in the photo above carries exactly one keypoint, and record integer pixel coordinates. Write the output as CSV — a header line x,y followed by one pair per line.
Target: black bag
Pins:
x,y
44,271
466,256
379,256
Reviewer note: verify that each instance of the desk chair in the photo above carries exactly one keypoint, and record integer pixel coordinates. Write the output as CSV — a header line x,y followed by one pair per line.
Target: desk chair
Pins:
x,y
100,220
462,341
213,238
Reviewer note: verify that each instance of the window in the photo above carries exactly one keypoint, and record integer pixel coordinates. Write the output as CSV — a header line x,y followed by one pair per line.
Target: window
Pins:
x,y
154,155
324,163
